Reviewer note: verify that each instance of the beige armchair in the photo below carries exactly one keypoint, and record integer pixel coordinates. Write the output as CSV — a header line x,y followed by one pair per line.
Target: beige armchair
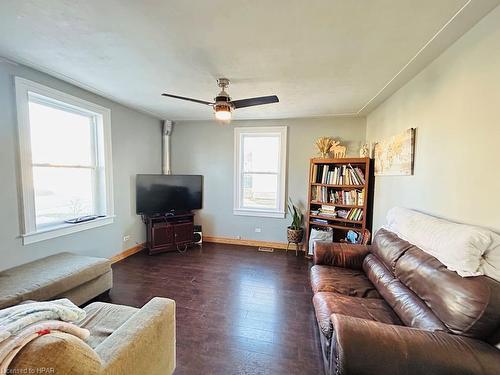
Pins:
x,y
123,340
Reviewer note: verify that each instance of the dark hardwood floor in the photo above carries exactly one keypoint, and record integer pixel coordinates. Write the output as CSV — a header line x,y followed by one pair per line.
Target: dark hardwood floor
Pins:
x,y
239,311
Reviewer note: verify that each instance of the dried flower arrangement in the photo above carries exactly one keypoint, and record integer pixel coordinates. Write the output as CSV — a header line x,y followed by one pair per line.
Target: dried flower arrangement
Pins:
x,y
323,145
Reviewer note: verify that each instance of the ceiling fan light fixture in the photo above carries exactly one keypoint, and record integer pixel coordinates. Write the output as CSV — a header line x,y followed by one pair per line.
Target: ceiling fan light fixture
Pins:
x,y
222,112
222,104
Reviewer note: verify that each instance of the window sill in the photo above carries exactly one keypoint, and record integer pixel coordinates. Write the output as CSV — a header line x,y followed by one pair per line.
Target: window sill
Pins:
x,y
65,229
258,213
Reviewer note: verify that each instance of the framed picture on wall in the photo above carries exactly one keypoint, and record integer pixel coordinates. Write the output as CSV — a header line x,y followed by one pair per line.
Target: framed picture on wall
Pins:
x,y
395,156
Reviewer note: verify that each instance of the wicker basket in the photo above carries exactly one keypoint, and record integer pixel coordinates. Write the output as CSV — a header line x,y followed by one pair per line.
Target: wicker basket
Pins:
x,y
295,235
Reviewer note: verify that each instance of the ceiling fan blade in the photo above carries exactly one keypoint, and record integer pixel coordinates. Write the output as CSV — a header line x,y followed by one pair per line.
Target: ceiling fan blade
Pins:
x,y
255,101
189,99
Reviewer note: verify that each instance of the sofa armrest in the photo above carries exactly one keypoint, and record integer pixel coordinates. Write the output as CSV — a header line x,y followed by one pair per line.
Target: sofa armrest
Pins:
x,y
56,353
362,347
340,254
144,344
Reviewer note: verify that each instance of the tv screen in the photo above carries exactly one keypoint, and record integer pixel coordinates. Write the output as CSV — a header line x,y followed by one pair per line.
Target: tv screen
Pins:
x,y
159,194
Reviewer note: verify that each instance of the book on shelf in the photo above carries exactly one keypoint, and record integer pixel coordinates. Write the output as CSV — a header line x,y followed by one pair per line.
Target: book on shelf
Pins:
x,y
340,175
343,214
325,207
327,214
326,210
314,173
319,221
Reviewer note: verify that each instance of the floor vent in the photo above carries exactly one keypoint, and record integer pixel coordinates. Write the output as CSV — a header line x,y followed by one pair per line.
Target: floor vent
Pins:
x,y
266,249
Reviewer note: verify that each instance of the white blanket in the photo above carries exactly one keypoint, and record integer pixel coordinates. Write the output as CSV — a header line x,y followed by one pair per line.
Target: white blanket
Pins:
x,y
21,324
465,249
15,318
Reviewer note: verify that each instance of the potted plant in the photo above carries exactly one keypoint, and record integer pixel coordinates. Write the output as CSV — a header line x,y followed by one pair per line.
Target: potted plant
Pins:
x,y
295,233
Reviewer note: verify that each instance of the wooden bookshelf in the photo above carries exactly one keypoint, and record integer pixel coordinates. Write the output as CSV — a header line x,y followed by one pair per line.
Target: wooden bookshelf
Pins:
x,y
353,192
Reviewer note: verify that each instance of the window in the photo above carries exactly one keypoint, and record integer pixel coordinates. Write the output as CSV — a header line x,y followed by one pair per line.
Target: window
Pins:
x,y
65,152
260,165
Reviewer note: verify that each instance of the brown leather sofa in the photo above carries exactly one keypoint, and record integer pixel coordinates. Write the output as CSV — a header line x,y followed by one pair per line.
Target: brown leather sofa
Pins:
x,y
390,308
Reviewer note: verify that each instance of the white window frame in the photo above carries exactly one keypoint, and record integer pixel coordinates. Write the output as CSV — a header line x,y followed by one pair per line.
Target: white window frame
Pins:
x,y
25,90
239,134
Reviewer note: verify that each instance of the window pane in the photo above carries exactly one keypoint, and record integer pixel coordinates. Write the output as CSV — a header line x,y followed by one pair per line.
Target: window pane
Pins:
x,y
62,193
260,191
261,153
60,137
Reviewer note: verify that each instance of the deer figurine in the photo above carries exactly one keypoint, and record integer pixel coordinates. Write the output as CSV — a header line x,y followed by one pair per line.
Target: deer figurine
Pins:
x,y
338,150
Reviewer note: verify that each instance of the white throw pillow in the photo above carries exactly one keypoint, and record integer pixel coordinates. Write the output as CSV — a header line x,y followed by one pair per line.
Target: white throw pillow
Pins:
x,y
465,249
490,263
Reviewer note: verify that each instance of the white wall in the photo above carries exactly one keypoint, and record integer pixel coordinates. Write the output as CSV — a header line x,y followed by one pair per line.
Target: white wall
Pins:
x,y
136,142
206,147
454,104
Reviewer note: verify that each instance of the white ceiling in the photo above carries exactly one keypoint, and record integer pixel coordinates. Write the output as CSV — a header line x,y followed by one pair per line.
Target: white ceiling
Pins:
x,y
330,57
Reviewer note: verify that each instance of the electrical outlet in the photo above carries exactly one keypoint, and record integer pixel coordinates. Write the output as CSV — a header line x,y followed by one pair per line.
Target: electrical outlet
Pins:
x,y
258,230
126,238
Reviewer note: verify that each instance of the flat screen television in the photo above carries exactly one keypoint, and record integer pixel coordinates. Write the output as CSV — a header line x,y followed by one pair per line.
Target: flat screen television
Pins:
x,y
158,194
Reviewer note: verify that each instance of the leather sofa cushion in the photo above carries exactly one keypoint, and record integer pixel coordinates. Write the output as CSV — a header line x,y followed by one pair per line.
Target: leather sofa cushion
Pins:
x,y
469,306
388,247
377,273
341,280
364,347
342,255
326,304
412,311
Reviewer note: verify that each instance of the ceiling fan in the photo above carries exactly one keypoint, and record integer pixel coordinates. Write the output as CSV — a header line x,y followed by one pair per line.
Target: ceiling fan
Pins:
x,y
223,105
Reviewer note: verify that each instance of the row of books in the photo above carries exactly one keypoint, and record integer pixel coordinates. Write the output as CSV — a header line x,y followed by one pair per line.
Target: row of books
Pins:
x,y
355,214
345,197
341,175
320,194
349,197
331,213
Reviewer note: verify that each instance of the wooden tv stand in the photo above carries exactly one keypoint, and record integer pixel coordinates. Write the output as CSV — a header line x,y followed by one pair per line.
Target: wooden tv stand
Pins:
x,y
169,233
